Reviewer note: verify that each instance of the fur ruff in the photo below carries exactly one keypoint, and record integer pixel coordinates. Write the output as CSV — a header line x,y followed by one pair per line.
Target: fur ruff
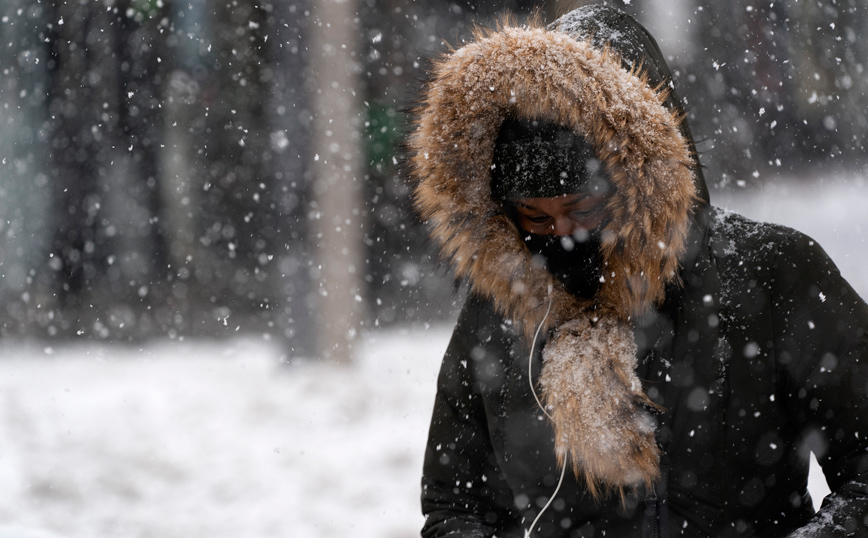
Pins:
x,y
597,406
533,73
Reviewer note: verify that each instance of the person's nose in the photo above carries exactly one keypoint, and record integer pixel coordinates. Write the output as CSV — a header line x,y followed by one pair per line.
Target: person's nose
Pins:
x,y
563,226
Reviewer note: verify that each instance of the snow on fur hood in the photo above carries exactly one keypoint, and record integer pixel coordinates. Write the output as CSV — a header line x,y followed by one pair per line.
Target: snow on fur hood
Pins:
x,y
592,394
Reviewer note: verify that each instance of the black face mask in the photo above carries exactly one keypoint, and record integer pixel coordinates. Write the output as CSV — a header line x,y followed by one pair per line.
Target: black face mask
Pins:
x,y
574,262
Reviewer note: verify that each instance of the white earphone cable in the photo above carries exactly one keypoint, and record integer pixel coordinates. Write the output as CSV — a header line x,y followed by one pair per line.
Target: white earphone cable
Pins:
x,y
530,360
528,532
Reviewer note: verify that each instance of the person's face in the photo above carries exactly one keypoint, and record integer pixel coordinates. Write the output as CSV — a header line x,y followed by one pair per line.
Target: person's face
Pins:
x,y
565,215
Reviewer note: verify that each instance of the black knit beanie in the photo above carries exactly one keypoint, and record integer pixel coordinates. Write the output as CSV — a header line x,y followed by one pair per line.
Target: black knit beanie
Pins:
x,y
537,159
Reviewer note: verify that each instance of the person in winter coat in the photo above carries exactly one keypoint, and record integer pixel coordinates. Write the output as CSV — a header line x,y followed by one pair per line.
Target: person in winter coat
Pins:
x,y
631,361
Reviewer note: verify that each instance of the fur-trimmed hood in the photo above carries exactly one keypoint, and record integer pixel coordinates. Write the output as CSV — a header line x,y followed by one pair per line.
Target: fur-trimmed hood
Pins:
x,y
598,72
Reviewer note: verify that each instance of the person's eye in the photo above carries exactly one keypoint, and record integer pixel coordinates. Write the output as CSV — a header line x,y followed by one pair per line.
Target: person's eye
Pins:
x,y
584,213
537,219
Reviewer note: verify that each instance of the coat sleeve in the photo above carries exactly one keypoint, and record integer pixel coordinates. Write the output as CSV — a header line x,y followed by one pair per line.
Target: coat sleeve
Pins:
x,y
822,333
463,491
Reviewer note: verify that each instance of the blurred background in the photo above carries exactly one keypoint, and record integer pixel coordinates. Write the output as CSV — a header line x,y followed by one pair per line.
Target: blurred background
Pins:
x,y
172,168
231,172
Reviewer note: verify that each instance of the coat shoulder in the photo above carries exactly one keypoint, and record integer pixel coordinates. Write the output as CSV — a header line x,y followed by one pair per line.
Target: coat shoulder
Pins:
x,y
735,236
726,225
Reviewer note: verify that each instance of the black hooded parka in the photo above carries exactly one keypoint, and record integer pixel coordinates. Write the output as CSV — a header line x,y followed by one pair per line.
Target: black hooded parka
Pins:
x,y
757,356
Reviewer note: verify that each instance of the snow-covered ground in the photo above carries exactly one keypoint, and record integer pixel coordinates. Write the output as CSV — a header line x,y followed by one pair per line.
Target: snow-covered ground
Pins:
x,y
215,439
218,439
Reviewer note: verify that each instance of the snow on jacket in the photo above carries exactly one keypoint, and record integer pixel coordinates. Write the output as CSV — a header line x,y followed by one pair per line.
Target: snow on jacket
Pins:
x,y
715,356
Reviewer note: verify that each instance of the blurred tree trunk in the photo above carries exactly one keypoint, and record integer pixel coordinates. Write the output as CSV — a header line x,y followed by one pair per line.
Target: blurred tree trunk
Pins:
x,y
24,228
231,172
236,162
337,177
290,133
107,249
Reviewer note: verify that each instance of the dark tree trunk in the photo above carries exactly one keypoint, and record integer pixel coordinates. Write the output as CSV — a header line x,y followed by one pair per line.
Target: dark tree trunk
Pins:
x,y
107,249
